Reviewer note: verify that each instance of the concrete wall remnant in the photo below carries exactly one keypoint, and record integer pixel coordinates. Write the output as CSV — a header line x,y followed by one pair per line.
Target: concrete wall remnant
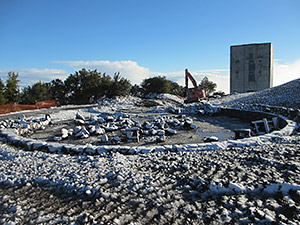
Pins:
x,y
251,67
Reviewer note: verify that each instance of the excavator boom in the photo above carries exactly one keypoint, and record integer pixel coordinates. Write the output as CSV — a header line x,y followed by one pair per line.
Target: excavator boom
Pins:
x,y
187,77
192,94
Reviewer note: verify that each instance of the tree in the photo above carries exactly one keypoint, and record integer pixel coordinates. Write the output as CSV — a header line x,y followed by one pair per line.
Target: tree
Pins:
x,y
82,87
161,85
87,86
176,89
12,92
207,85
104,86
2,97
136,90
57,89
156,85
36,93
119,86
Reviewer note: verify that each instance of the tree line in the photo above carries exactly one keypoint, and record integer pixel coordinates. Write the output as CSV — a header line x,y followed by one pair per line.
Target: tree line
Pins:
x,y
87,86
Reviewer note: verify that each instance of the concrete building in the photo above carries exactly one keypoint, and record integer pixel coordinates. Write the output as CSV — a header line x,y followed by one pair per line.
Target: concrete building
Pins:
x,y
251,67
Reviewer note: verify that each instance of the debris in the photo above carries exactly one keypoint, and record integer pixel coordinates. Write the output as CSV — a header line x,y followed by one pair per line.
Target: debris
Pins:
x,y
133,134
211,139
64,133
104,138
116,139
161,138
171,131
79,116
242,133
264,122
56,138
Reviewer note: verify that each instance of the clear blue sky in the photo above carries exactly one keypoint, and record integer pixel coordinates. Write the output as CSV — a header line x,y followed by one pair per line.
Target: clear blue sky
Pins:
x,y
48,39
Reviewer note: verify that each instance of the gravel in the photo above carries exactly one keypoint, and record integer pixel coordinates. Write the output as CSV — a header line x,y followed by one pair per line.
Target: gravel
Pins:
x,y
240,185
286,95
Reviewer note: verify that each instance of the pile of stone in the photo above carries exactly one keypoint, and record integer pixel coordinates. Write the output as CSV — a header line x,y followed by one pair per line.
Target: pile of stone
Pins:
x,y
97,125
166,125
202,108
26,126
108,125
286,95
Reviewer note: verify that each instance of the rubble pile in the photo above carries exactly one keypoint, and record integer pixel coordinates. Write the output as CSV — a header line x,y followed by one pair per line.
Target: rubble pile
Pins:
x,y
286,95
118,104
174,98
203,108
107,126
26,126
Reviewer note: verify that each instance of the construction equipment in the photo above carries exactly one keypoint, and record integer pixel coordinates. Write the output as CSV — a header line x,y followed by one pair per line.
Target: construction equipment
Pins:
x,y
192,94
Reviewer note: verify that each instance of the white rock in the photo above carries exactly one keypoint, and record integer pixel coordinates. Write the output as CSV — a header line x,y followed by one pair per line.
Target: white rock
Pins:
x,y
99,131
110,118
85,131
64,133
185,166
79,116
56,138
77,129
70,131
153,132
211,139
78,121
120,178
171,131
148,126
92,129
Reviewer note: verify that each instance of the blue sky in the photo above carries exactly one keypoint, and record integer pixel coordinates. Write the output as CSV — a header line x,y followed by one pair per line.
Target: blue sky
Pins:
x,y
45,40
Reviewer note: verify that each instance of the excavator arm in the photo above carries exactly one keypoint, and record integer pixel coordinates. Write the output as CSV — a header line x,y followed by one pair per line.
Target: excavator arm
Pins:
x,y
187,77
192,94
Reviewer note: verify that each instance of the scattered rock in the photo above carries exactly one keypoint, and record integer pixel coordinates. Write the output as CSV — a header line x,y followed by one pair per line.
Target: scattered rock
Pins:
x,y
211,139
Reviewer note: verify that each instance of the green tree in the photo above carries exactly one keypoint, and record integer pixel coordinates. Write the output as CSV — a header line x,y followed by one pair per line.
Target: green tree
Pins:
x,y
176,89
161,85
2,97
119,86
57,89
136,90
156,85
12,91
104,86
36,93
207,85
86,86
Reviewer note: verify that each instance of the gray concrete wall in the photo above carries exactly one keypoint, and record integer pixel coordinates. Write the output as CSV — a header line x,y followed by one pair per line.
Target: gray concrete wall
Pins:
x,y
251,67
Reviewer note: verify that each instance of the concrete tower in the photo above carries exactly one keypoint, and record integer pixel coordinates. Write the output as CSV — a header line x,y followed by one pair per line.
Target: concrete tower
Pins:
x,y
251,67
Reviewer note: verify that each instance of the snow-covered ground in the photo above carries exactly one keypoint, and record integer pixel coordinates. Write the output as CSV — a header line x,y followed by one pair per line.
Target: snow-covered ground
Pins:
x,y
286,95
235,185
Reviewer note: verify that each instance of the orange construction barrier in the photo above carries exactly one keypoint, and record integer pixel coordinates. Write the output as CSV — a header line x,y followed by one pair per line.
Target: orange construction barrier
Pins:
x,y
19,107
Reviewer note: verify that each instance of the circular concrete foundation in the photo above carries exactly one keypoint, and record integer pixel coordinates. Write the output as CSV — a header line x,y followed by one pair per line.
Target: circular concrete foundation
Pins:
x,y
286,127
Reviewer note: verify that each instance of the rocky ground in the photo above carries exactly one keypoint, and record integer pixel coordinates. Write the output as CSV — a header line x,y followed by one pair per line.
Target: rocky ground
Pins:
x,y
286,95
243,185
258,184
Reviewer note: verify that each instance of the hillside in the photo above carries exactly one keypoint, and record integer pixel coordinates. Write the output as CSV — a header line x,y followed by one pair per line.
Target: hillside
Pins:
x,y
286,95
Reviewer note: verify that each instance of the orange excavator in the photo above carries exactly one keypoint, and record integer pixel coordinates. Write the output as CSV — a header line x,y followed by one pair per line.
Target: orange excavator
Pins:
x,y
192,94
